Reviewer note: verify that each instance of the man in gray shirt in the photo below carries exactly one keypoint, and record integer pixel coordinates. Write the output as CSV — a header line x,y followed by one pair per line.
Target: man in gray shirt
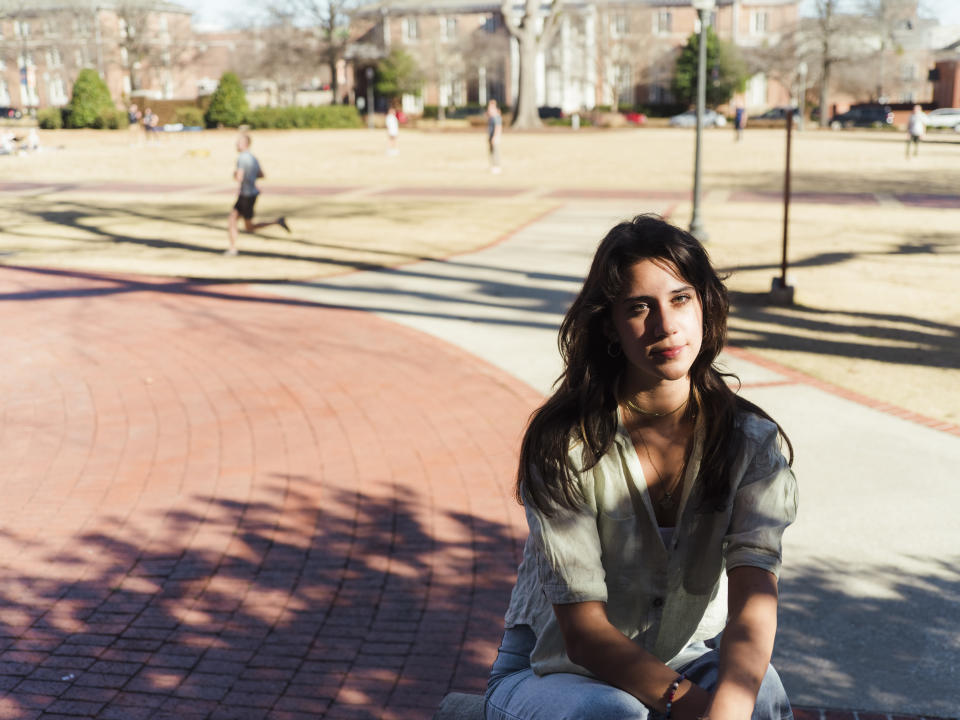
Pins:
x,y
247,173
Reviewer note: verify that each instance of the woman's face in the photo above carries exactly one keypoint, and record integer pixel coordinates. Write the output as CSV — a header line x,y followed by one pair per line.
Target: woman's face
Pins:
x,y
658,320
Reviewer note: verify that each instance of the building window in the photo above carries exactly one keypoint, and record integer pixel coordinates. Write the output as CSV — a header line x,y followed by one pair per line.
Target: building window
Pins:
x,y
490,24
411,29
448,28
759,22
53,58
620,25
663,22
908,72
21,29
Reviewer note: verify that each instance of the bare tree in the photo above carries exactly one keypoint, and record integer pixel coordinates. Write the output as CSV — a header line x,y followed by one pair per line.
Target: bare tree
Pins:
x,y
888,21
330,20
532,31
834,39
278,51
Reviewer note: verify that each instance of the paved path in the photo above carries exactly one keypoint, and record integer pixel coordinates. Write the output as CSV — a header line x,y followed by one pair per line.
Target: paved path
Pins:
x,y
871,593
221,503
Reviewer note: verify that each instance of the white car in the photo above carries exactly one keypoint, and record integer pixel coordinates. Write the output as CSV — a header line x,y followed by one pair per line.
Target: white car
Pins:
x,y
944,118
711,118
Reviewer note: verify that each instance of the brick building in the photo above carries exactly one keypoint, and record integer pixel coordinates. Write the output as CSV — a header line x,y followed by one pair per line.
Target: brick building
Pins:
x,y
142,48
609,52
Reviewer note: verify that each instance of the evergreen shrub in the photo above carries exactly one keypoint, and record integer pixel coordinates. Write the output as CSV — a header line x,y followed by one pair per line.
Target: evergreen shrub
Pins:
x,y
228,104
90,99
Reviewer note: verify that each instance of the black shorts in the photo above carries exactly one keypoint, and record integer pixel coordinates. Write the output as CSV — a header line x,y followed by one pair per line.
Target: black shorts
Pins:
x,y
244,206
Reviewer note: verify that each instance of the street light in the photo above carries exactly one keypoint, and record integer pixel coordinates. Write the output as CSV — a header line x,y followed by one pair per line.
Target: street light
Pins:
x,y
696,224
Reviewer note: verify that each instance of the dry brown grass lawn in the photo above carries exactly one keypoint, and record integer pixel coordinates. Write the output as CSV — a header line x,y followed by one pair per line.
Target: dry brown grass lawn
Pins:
x,y
878,310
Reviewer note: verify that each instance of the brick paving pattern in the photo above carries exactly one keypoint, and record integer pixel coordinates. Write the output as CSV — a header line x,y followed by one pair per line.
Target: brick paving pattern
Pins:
x,y
220,504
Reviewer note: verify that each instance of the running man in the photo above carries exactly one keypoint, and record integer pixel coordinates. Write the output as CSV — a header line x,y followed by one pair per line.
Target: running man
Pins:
x,y
247,173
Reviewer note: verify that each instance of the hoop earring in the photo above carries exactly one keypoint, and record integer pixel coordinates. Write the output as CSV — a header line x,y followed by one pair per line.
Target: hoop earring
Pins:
x,y
613,349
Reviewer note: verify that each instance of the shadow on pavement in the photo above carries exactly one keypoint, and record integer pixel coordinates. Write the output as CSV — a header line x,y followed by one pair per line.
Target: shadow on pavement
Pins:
x,y
906,622
350,605
897,339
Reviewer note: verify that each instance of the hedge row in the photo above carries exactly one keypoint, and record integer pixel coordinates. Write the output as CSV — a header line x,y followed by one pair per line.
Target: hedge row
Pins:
x,y
313,116
326,116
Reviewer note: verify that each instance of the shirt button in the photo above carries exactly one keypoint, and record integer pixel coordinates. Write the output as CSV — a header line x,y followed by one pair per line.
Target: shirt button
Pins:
x,y
658,602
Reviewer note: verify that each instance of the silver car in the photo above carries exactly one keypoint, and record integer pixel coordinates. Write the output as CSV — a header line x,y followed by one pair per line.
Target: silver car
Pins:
x,y
711,118
944,118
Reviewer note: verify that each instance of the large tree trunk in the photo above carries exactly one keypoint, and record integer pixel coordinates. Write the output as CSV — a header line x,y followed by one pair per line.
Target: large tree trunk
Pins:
x,y
525,113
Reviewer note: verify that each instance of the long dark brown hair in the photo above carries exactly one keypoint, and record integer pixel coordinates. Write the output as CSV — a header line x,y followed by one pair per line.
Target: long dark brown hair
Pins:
x,y
583,409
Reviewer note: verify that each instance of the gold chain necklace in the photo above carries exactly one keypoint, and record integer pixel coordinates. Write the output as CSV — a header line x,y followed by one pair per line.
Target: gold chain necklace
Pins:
x,y
666,500
630,403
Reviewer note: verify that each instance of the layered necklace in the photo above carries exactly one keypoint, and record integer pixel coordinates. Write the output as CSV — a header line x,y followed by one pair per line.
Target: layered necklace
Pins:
x,y
668,487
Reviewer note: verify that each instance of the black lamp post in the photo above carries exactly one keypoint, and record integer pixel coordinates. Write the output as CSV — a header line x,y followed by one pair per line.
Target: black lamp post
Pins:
x,y
703,7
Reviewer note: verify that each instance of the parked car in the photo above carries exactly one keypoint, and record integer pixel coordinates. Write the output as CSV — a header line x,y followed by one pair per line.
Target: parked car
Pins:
x,y
711,118
863,116
944,118
11,113
777,113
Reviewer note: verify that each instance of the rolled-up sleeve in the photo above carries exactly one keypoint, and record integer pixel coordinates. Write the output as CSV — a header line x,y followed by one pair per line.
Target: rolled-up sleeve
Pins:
x,y
764,504
569,556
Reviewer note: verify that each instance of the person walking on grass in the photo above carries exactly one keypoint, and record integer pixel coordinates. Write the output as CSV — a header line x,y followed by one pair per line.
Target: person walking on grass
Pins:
x,y
393,131
916,127
494,132
656,498
247,173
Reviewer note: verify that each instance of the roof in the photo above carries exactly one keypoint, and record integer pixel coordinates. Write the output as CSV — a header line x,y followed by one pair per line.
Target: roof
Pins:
x,y
403,7
39,7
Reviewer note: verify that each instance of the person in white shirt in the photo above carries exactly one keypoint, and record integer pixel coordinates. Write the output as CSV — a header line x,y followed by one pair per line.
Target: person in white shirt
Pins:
x,y
916,127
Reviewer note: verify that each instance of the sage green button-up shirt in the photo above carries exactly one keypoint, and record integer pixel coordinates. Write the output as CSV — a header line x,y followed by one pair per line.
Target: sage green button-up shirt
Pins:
x,y
609,549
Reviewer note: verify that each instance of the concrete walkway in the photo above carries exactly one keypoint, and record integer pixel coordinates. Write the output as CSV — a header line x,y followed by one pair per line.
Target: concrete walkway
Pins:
x,y
234,502
871,590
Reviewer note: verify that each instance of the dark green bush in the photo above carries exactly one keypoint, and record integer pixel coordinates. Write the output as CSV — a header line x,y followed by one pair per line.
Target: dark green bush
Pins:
x,y
90,98
189,116
50,118
228,104
323,116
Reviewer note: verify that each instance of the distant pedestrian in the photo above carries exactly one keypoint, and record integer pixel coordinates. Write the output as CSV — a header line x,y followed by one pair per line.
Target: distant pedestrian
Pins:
x,y
134,116
916,127
494,132
151,124
740,122
247,173
393,131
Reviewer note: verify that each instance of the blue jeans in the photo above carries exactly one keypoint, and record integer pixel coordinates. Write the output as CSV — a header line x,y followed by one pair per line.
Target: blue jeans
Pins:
x,y
515,693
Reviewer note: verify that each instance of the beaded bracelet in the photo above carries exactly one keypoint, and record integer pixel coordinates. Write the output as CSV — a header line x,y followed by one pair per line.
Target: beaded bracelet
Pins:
x,y
672,692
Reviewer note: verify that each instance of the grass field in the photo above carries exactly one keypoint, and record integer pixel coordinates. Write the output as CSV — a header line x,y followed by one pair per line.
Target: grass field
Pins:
x,y
877,312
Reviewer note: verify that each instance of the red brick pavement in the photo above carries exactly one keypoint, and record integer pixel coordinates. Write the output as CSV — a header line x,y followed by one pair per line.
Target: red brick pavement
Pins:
x,y
220,504
223,505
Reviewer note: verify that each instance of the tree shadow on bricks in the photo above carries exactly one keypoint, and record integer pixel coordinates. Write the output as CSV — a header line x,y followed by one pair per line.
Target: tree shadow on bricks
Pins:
x,y
312,601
